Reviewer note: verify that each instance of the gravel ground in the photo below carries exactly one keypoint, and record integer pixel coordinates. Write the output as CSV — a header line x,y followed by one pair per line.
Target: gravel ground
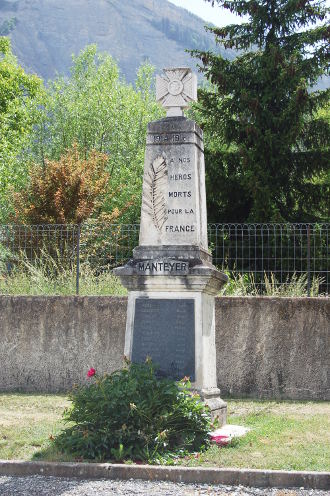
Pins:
x,y
53,486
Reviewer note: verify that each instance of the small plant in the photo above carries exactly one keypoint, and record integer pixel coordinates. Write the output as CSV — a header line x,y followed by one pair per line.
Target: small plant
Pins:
x,y
4,259
295,285
132,414
240,285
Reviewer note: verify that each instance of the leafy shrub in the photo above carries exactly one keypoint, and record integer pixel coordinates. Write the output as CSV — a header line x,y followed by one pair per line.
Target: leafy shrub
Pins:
x,y
65,191
132,414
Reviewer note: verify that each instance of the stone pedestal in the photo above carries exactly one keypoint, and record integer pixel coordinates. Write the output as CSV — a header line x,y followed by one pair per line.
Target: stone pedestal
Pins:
x,y
171,279
171,318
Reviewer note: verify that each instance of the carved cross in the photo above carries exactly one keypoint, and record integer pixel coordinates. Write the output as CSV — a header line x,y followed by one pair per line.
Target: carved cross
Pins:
x,y
175,89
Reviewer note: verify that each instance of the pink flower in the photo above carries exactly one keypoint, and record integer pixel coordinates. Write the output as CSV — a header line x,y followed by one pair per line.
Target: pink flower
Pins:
x,y
220,440
91,372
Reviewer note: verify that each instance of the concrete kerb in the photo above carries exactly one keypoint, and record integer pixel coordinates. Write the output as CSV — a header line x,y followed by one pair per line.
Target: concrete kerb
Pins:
x,y
226,476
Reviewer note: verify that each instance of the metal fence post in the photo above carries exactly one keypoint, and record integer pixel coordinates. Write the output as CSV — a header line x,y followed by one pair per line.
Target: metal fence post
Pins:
x,y
78,260
308,260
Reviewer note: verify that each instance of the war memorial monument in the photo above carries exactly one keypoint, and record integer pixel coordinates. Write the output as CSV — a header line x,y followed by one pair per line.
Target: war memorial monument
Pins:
x,y
171,280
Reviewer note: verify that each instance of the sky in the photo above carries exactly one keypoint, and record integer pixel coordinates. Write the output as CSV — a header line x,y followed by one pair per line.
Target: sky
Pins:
x,y
216,15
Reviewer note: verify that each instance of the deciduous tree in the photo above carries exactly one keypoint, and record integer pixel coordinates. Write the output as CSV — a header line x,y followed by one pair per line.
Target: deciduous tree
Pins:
x,y
17,89
96,109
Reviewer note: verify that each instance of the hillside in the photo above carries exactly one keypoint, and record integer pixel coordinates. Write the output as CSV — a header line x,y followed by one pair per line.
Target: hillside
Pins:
x,y
45,33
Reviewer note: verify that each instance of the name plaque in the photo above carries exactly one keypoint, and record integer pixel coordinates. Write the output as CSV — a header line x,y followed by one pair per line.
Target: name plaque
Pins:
x,y
164,329
160,267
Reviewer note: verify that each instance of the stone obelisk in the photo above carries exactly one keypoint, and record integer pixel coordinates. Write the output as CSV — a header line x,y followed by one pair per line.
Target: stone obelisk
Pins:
x,y
171,280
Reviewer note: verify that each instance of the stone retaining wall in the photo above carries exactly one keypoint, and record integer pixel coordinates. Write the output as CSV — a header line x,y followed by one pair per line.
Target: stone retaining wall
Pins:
x,y
266,347
273,347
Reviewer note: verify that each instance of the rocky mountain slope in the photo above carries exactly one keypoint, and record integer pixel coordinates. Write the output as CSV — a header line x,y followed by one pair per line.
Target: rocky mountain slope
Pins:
x,y
45,33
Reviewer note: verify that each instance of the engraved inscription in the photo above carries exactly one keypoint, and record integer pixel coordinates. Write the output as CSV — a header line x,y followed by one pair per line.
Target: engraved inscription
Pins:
x,y
162,266
164,329
179,194
180,177
175,138
176,229
180,197
172,138
179,211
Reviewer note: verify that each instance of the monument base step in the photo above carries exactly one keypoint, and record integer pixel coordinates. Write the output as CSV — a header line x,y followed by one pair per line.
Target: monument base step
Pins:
x,y
218,407
180,252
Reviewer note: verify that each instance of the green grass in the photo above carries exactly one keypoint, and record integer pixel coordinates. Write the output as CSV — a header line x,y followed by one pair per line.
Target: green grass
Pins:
x,y
27,423
34,281
47,276
284,435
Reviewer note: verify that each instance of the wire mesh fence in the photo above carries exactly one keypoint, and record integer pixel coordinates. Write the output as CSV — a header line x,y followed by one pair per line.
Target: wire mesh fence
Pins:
x,y
273,251
261,252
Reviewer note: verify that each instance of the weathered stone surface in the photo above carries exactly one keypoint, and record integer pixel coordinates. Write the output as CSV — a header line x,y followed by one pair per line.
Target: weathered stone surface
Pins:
x,y
175,89
273,347
117,472
176,275
204,377
193,253
217,406
172,259
173,201
48,343
265,347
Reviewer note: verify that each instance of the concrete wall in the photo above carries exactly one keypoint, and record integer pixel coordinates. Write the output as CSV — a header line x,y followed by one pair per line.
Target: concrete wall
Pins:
x,y
49,343
273,347
266,347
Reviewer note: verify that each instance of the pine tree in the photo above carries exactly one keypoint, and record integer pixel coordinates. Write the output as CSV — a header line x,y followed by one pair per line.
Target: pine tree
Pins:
x,y
268,142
